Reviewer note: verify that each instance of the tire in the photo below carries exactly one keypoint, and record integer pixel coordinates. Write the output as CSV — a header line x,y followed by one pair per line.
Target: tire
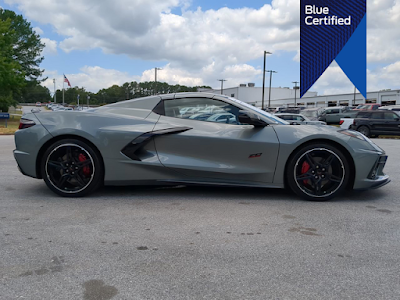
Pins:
x,y
72,168
364,130
318,172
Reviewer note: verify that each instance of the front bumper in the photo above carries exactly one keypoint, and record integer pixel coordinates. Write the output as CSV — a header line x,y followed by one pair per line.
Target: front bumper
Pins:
x,y
375,178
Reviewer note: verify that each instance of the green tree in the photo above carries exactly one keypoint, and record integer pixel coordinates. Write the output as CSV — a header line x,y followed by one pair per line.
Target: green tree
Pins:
x,y
34,92
11,75
27,46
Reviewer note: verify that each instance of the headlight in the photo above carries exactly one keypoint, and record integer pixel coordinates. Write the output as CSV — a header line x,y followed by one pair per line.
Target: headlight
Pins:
x,y
360,136
354,134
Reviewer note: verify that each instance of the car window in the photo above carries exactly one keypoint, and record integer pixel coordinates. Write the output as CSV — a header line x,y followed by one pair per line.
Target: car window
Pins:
x,y
202,109
377,115
390,116
363,114
333,111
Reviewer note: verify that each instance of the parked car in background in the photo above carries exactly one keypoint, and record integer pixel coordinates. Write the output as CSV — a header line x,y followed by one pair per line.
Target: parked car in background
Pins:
x,y
391,107
373,123
312,113
368,106
290,109
298,119
38,104
345,123
332,115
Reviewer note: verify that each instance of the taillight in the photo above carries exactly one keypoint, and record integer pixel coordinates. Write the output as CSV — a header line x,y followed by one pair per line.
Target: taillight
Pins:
x,y
341,122
26,123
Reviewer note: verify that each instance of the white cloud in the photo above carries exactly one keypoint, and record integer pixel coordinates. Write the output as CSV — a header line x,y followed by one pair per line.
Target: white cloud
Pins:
x,y
202,46
334,81
38,30
50,46
190,41
91,78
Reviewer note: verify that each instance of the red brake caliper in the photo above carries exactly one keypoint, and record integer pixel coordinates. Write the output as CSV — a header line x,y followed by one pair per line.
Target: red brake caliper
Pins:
x,y
86,169
304,169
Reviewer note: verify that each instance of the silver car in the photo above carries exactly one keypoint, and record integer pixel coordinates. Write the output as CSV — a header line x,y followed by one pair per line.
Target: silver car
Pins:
x,y
147,141
298,119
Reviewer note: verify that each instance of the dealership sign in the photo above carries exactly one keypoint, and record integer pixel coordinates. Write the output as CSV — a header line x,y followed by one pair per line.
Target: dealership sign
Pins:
x,y
333,30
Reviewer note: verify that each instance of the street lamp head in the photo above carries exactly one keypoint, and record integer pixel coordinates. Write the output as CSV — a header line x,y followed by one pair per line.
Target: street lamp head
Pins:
x,y
266,52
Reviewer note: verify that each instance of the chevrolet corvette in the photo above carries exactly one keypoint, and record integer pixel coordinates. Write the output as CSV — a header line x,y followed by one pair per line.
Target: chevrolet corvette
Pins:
x,y
154,141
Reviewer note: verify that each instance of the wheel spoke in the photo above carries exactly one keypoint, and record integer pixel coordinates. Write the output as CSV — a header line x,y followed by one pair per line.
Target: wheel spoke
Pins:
x,y
84,163
328,161
335,178
305,176
55,164
310,160
69,154
317,188
62,180
80,180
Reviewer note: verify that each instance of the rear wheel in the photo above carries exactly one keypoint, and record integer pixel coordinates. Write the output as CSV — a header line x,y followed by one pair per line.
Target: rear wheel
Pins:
x,y
318,172
71,168
364,130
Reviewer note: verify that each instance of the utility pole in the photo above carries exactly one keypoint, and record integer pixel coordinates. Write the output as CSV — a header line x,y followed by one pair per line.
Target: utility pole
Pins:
x,y
263,88
270,85
155,80
55,96
295,92
222,84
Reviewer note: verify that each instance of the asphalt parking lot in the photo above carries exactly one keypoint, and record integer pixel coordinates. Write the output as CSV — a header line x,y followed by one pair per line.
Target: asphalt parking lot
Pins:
x,y
196,242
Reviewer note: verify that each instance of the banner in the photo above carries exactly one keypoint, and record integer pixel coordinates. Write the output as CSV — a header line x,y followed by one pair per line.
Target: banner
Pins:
x,y
333,30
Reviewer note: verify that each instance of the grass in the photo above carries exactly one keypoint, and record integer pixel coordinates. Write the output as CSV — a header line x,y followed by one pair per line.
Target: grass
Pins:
x,y
12,126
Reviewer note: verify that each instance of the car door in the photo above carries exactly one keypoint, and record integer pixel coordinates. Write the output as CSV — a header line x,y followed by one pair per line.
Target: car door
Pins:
x,y
377,123
214,151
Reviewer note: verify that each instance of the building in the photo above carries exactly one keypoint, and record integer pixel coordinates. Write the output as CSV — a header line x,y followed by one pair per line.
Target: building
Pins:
x,y
253,95
384,97
290,97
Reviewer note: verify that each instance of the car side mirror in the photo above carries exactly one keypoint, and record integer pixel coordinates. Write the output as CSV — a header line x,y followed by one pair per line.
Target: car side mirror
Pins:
x,y
250,119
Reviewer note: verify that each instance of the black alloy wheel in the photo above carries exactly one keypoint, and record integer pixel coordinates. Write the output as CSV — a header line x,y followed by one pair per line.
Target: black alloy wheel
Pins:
x,y
71,168
318,172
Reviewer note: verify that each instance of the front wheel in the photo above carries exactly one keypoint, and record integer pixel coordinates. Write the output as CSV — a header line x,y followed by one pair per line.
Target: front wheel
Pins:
x,y
71,168
318,172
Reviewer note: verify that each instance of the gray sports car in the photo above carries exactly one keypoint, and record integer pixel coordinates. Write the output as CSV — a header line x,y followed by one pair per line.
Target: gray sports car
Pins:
x,y
153,140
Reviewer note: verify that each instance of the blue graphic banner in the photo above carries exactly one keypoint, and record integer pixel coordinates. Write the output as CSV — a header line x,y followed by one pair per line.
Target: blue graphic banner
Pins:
x,y
333,30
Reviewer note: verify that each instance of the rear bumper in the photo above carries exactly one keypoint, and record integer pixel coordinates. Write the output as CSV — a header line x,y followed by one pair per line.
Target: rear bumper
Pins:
x,y
24,159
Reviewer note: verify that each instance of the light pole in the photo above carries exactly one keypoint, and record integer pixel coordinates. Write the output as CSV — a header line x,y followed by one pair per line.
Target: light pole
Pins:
x,y
155,80
222,84
88,97
354,101
265,58
55,96
270,85
295,92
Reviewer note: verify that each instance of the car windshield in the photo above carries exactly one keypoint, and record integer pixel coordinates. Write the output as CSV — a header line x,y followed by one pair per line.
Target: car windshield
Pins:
x,y
264,113
363,106
310,113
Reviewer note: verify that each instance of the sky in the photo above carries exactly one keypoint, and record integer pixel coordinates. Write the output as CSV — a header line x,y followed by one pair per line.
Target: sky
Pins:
x,y
98,43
